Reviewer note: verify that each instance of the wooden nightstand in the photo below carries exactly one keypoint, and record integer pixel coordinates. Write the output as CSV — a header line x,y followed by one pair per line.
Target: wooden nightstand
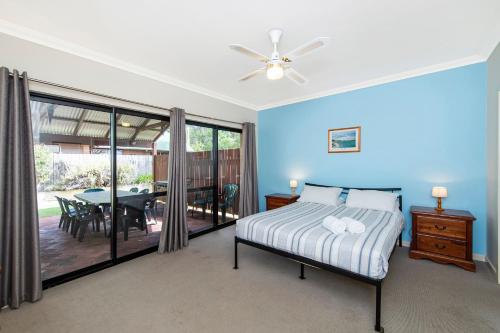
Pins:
x,y
277,200
444,237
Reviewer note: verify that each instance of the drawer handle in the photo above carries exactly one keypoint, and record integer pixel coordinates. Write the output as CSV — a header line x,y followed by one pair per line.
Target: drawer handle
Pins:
x,y
440,246
440,227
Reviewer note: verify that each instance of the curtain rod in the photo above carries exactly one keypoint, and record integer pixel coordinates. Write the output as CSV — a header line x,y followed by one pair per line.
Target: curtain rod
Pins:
x,y
120,99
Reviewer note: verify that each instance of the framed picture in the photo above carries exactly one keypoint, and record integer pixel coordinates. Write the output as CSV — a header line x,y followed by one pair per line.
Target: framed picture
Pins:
x,y
344,140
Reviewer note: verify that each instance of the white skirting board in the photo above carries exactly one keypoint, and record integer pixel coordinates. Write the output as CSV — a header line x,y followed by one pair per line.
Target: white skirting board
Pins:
x,y
475,256
491,266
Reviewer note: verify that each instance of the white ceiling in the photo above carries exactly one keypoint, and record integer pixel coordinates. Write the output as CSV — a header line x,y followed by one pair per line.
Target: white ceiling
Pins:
x,y
186,42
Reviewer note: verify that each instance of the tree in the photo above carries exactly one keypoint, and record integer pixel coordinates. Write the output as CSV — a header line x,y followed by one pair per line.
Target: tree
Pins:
x,y
43,163
200,139
229,140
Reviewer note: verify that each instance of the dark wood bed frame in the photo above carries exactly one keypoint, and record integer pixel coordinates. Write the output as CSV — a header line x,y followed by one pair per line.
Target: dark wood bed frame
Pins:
x,y
306,261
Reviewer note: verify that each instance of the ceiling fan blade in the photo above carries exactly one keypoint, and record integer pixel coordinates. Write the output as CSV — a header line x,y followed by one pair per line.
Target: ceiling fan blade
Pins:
x,y
249,52
294,76
306,48
251,74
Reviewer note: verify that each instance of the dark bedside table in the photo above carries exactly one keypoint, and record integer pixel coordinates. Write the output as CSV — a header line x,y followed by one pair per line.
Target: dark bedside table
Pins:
x,y
277,200
444,237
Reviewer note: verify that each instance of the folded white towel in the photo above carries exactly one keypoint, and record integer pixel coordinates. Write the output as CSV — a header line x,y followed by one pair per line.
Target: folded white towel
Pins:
x,y
353,226
334,224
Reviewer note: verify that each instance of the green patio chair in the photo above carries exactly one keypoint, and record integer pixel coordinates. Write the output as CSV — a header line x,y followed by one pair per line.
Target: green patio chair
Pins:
x,y
64,215
202,199
71,215
85,214
229,194
134,190
145,191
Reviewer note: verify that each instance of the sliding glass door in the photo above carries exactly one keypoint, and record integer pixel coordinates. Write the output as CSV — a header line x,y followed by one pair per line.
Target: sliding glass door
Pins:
x,y
200,177
213,165
142,148
73,177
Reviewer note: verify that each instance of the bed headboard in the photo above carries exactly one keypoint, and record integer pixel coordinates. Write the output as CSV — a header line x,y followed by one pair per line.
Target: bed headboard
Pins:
x,y
385,189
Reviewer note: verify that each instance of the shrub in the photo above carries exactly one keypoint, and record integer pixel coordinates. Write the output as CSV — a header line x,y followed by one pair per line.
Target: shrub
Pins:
x,y
144,179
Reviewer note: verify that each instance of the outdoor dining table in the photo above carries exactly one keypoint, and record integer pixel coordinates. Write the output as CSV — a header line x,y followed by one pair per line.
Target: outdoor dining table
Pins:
x,y
103,198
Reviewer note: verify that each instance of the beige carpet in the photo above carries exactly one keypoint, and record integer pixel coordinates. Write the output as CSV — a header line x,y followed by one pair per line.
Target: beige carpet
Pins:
x,y
196,290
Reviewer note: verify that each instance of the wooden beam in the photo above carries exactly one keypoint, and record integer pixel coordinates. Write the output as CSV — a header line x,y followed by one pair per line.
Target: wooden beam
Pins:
x,y
95,122
163,129
155,125
80,122
139,129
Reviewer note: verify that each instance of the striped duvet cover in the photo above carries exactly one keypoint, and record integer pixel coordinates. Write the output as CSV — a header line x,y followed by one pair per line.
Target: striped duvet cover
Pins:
x,y
297,229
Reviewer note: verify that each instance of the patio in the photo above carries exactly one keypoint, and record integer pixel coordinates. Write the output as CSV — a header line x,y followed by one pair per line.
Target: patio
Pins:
x,y
61,253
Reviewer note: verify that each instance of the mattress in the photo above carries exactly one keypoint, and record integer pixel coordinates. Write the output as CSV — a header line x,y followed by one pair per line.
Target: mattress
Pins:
x,y
297,229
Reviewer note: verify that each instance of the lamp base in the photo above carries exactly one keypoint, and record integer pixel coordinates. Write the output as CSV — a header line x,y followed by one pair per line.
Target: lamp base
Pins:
x,y
439,208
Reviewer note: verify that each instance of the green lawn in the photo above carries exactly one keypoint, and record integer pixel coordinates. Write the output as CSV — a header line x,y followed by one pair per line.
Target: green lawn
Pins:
x,y
47,212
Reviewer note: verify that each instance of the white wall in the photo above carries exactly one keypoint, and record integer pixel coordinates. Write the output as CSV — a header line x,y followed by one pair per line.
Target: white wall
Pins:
x,y
59,67
492,158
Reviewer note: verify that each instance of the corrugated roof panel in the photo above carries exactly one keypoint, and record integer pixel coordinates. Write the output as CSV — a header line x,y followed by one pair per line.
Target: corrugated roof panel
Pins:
x,y
147,135
93,130
62,127
99,116
132,120
64,111
124,132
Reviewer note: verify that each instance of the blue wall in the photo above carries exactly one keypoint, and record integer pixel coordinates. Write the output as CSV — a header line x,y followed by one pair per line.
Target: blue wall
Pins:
x,y
416,133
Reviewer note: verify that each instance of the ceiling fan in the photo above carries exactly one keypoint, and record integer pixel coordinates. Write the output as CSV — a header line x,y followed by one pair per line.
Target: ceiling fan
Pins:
x,y
277,66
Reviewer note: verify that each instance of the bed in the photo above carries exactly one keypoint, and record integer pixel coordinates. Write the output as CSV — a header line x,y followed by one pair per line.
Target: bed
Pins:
x,y
295,231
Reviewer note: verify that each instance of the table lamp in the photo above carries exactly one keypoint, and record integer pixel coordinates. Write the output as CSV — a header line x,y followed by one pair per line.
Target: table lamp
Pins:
x,y
293,186
439,192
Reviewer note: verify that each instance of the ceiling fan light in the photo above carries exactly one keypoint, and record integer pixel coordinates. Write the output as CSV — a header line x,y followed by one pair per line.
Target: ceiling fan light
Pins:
x,y
274,71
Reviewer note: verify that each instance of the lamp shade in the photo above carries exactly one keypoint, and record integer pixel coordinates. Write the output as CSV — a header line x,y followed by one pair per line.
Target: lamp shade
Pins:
x,y
293,183
439,192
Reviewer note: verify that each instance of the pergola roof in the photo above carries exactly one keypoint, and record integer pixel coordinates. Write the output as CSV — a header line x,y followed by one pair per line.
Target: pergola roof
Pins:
x,y
71,121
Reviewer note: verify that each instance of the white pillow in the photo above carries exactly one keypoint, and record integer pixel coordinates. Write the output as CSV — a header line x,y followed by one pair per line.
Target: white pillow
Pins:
x,y
372,199
322,195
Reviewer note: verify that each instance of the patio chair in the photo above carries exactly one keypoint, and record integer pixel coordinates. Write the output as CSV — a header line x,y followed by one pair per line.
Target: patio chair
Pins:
x,y
64,215
202,199
71,213
229,194
134,190
145,191
85,213
132,213
150,210
89,190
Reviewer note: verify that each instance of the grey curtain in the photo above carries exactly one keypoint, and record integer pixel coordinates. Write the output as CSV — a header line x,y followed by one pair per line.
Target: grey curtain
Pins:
x,y
174,231
20,276
249,196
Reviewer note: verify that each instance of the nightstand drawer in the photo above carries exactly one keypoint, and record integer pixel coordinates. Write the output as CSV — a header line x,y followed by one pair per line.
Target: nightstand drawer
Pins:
x,y
278,200
440,226
274,206
442,246
273,203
